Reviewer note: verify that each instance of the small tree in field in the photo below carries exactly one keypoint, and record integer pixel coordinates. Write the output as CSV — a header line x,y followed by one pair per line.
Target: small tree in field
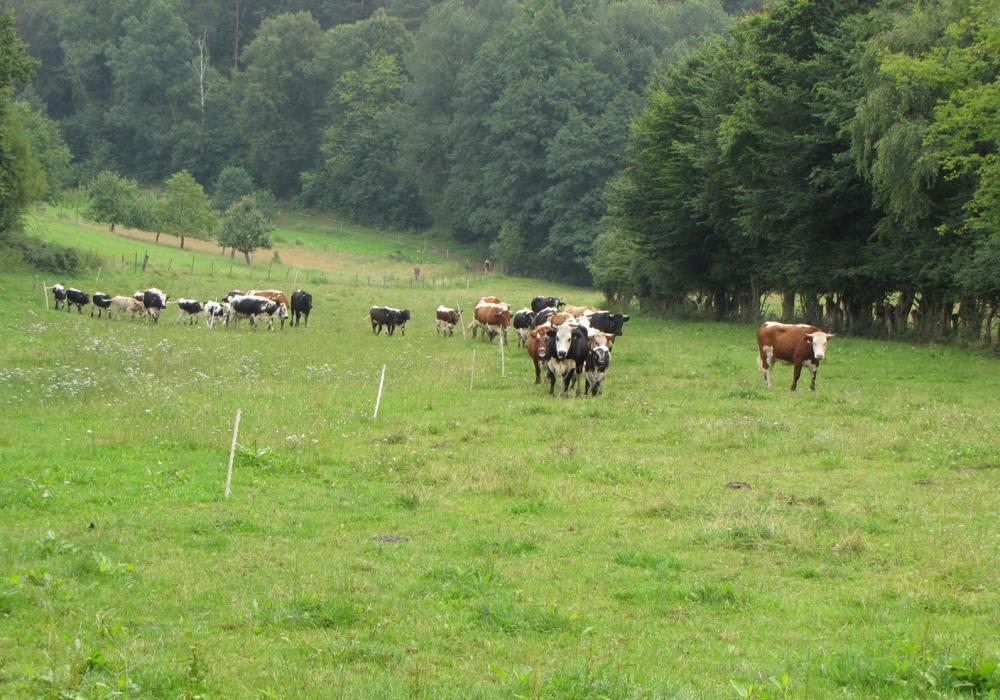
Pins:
x,y
233,183
114,200
184,210
245,228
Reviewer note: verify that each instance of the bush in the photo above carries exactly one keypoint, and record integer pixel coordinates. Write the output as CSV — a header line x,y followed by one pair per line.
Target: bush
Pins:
x,y
46,257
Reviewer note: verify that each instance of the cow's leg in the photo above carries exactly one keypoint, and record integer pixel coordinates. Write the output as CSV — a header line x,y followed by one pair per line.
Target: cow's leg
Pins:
x,y
766,361
576,380
402,329
813,369
796,373
374,332
538,371
551,376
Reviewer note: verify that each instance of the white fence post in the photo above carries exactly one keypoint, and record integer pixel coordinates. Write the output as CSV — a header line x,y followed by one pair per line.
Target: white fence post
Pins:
x,y
232,453
378,399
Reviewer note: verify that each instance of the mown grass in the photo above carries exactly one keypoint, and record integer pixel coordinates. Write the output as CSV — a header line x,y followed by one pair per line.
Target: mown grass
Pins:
x,y
484,543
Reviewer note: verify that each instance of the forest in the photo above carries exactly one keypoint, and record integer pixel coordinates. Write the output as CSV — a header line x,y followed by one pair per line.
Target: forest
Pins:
x,y
691,156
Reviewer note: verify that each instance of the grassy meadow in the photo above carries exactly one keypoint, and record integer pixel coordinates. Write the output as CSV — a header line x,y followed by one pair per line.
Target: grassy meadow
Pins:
x,y
484,542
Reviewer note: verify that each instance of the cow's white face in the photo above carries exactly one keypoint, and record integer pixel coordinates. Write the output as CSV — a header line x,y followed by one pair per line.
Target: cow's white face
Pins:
x,y
819,341
282,311
564,338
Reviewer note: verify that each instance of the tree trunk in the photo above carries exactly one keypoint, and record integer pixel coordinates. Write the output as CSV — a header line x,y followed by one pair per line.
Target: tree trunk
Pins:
x,y
112,228
903,309
182,242
232,253
787,306
247,256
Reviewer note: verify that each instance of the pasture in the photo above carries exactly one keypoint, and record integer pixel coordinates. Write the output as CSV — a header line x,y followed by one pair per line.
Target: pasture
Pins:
x,y
491,542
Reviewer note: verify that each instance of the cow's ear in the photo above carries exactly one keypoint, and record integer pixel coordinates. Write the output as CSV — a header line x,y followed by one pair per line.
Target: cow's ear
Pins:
x,y
830,335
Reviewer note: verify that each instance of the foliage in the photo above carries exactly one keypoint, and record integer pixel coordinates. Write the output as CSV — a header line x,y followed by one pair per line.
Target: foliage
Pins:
x,y
117,200
245,228
48,147
184,209
232,183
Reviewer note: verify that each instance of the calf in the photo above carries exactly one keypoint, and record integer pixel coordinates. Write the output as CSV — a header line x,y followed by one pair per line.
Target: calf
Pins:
x,y
538,349
567,351
74,297
797,345
274,295
126,305
102,302
188,309
539,303
524,321
215,311
598,362
154,301
59,292
302,304
390,318
447,319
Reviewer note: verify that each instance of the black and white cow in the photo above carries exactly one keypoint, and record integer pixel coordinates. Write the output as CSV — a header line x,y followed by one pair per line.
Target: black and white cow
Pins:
x,y
154,301
390,318
598,363
539,303
59,292
102,302
215,311
188,309
74,297
524,321
302,303
542,317
567,351
607,322
256,309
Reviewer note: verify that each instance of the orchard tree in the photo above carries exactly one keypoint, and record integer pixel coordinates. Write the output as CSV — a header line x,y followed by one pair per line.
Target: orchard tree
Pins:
x,y
245,228
233,183
114,200
184,210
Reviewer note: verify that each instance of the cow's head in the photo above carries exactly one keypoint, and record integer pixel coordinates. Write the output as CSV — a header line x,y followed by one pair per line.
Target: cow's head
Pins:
x,y
602,357
282,311
404,315
818,341
564,334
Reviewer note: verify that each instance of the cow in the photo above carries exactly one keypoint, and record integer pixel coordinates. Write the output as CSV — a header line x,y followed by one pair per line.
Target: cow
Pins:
x,y
567,351
102,303
230,294
154,301
562,317
493,317
446,320
126,305
188,309
302,304
390,318
578,311
524,321
607,322
542,317
215,311
598,362
256,308
74,297
538,349
274,295
797,345
539,303
59,292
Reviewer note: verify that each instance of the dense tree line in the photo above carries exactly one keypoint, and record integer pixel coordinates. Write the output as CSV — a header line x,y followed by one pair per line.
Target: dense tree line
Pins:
x,y
498,121
842,154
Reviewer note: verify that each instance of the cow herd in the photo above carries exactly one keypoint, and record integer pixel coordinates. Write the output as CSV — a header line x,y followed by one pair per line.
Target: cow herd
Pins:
x,y
257,305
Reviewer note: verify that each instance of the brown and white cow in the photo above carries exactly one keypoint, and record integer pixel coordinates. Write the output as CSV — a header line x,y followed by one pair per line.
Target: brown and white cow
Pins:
x,y
538,348
493,317
796,345
126,305
447,319
578,311
274,295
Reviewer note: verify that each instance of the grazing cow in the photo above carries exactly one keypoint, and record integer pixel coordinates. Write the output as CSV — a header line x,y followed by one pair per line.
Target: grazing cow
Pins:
x,y
539,303
257,308
102,302
390,318
797,345
75,297
59,292
229,295
543,316
562,317
493,317
126,305
598,362
302,304
154,301
215,311
607,322
189,310
567,351
446,320
273,295
578,311
538,349
524,321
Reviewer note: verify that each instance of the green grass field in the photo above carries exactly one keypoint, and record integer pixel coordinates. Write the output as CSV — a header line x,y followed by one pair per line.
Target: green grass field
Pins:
x,y
481,543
